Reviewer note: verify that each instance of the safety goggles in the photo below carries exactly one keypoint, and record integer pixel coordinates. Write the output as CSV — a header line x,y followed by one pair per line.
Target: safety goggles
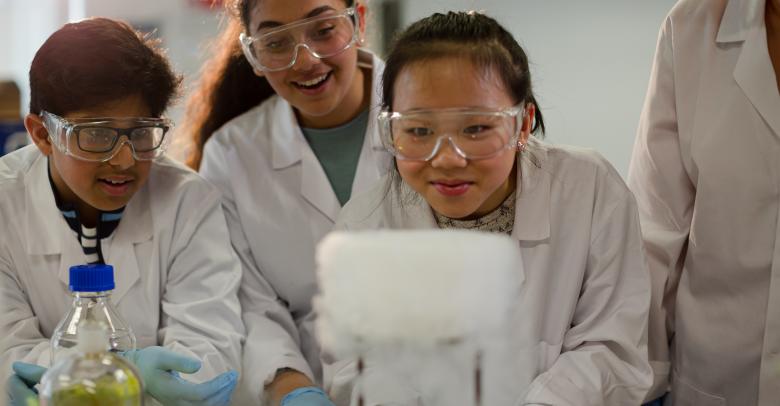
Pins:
x,y
322,36
473,134
100,139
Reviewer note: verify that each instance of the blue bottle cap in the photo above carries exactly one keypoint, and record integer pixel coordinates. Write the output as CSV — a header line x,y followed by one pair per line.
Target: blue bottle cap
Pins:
x,y
91,278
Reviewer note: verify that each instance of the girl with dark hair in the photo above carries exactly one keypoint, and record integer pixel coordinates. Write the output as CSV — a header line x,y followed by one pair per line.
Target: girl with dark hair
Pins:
x,y
459,117
285,126
97,188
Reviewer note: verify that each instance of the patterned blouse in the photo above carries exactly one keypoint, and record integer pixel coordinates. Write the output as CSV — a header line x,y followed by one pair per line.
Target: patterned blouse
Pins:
x,y
500,220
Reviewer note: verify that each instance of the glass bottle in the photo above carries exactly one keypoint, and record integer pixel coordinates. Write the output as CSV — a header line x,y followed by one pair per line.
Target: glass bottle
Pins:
x,y
91,287
92,375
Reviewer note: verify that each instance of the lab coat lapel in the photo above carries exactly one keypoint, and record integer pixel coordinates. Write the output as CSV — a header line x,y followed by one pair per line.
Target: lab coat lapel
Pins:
x,y
754,72
532,207
315,186
374,160
134,228
289,148
72,254
47,231
284,132
738,18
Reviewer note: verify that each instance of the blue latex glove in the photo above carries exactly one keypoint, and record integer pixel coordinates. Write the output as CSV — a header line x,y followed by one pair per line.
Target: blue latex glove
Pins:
x,y
308,396
21,385
160,369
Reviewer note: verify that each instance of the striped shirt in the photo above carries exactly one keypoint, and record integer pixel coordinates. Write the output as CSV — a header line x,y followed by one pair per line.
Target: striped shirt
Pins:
x,y
89,237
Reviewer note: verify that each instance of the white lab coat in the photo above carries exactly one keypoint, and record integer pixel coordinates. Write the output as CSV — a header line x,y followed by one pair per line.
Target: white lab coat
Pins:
x,y
706,173
175,273
586,286
279,204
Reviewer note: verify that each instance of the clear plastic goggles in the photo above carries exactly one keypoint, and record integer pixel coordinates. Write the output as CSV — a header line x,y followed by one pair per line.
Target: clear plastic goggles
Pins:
x,y
100,139
323,36
473,134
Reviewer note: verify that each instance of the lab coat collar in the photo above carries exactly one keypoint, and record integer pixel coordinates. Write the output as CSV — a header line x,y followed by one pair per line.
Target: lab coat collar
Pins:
x,y
47,230
739,18
284,135
49,234
412,209
288,150
754,72
532,210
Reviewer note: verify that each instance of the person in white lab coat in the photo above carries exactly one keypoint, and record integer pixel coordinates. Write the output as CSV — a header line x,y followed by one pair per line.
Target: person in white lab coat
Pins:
x,y
294,136
459,116
97,188
706,174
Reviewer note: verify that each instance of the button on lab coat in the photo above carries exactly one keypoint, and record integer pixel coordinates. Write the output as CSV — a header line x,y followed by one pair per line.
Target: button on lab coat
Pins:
x,y
175,273
586,294
706,173
279,204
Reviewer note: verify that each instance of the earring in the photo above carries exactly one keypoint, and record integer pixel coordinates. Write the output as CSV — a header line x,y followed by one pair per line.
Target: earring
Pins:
x,y
520,146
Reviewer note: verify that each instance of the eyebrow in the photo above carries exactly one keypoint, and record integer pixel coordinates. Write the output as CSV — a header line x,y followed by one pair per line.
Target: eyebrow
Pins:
x,y
272,24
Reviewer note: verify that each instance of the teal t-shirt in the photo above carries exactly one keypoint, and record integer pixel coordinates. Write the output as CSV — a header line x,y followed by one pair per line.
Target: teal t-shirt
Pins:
x,y
338,150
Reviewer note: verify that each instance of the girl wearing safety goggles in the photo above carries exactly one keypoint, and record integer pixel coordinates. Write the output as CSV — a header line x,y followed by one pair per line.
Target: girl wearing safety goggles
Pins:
x,y
284,123
459,117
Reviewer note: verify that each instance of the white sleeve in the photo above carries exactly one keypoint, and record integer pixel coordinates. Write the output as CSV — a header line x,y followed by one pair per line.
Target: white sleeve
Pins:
x,y
21,338
665,196
273,340
604,354
201,315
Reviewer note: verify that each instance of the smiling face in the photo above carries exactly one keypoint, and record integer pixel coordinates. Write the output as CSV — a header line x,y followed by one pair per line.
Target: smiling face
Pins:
x,y
452,185
93,186
325,92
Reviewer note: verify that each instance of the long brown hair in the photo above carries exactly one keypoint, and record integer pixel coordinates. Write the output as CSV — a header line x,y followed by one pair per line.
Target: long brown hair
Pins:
x,y
227,87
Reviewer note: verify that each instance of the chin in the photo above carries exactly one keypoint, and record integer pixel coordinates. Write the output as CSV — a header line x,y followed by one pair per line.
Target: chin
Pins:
x,y
321,108
112,207
110,204
454,213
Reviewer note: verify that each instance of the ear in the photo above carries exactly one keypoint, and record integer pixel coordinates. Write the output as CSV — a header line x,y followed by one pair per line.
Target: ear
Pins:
x,y
38,133
362,13
528,122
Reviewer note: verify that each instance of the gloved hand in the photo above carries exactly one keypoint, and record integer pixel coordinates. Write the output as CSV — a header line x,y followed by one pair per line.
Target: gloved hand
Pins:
x,y
160,368
308,396
21,385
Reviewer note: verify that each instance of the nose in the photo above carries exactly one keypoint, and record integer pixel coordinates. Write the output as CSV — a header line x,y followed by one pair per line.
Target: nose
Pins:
x,y
304,58
446,155
123,157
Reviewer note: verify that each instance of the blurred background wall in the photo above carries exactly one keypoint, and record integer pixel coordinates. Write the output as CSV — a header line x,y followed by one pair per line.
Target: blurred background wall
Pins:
x,y
590,58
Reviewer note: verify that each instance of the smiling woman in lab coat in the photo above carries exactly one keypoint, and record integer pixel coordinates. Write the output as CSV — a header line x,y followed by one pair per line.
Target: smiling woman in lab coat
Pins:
x,y
158,223
295,136
706,174
460,112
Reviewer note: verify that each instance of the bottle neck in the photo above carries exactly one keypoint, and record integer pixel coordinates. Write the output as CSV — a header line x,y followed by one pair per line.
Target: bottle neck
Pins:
x,y
91,295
